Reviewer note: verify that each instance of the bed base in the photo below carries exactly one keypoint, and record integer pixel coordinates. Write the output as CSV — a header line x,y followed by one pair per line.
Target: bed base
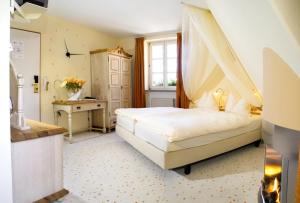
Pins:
x,y
187,169
185,157
257,143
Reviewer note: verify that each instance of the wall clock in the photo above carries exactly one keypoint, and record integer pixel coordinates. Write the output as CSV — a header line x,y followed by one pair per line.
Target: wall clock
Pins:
x,y
68,54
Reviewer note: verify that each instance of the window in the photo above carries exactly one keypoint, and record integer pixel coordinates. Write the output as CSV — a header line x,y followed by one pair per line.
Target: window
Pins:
x,y
163,64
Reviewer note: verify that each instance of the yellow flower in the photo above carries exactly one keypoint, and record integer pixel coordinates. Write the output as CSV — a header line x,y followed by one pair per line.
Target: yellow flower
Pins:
x,y
73,83
63,84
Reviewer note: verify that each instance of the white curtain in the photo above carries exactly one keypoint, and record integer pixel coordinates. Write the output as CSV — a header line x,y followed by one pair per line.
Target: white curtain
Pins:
x,y
197,62
204,48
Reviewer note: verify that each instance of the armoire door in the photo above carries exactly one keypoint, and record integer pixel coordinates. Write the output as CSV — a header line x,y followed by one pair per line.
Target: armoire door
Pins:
x,y
125,83
114,83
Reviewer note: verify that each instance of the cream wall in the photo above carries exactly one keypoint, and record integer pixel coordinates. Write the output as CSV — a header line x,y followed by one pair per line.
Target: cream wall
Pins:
x,y
56,66
128,43
281,92
250,26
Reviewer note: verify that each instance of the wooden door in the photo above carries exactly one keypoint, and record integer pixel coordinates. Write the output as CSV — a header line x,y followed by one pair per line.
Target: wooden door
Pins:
x,y
114,84
125,80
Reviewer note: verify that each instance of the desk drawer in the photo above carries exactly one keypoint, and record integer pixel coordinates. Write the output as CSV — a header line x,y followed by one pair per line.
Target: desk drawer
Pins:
x,y
86,107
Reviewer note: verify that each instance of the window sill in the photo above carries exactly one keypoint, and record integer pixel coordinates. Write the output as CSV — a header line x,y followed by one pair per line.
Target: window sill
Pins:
x,y
161,90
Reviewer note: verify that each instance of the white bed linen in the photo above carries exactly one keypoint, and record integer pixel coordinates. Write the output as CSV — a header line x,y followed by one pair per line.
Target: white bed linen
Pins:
x,y
191,123
127,117
154,138
126,122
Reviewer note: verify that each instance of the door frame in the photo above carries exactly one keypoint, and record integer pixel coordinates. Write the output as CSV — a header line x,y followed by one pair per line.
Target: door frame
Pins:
x,y
40,68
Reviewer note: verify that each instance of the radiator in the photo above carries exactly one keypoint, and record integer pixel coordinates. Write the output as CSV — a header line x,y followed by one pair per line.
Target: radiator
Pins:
x,y
162,102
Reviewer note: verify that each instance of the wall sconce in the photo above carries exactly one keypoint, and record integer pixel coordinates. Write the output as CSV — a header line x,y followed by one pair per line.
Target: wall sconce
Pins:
x,y
258,96
256,110
219,93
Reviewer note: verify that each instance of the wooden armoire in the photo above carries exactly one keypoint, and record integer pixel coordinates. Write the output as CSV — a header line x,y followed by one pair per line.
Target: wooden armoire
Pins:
x,y
111,82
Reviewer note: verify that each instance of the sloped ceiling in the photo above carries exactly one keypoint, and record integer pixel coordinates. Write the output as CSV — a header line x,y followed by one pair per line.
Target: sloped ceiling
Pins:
x,y
119,17
197,3
250,26
290,15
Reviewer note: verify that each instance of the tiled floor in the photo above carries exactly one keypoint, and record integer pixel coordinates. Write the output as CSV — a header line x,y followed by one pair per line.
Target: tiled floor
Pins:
x,y
107,169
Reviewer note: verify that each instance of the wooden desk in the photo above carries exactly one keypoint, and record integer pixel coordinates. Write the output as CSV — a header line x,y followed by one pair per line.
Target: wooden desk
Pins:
x,y
71,107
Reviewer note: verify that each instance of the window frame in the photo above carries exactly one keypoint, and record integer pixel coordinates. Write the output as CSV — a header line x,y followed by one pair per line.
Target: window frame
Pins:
x,y
165,72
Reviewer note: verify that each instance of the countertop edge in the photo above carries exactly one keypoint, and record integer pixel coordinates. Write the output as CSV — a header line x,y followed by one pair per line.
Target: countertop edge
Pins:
x,y
37,130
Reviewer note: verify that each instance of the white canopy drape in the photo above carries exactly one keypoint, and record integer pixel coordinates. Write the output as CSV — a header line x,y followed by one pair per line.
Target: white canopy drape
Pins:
x,y
206,49
197,62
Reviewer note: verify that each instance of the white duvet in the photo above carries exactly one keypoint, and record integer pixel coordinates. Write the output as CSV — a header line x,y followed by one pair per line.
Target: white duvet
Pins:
x,y
137,113
189,123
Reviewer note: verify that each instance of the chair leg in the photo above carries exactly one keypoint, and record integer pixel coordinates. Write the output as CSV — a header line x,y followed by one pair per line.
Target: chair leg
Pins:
x,y
187,169
257,143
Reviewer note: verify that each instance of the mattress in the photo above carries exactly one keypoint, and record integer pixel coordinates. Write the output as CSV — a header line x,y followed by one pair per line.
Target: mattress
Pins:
x,y
153,137
126,122
128,117
190,123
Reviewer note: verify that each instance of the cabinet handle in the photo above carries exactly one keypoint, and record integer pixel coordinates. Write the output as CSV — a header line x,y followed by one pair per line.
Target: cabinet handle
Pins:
x,y
78,107
99,105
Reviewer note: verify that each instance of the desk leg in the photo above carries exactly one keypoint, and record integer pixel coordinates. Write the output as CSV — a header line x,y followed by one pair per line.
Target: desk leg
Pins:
x,y
70,126
103,121
90,120
55,118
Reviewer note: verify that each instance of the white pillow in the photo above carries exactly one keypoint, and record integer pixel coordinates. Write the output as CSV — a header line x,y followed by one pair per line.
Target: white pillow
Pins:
x,y
210,102
201,102
231,101
207,101
242,108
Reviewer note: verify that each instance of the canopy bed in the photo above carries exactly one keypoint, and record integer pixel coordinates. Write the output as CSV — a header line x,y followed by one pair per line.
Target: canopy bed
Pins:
x,y
173,137
180,137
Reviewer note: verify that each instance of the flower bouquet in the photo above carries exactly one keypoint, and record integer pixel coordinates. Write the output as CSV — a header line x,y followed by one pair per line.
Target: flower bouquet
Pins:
x,y
74,87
